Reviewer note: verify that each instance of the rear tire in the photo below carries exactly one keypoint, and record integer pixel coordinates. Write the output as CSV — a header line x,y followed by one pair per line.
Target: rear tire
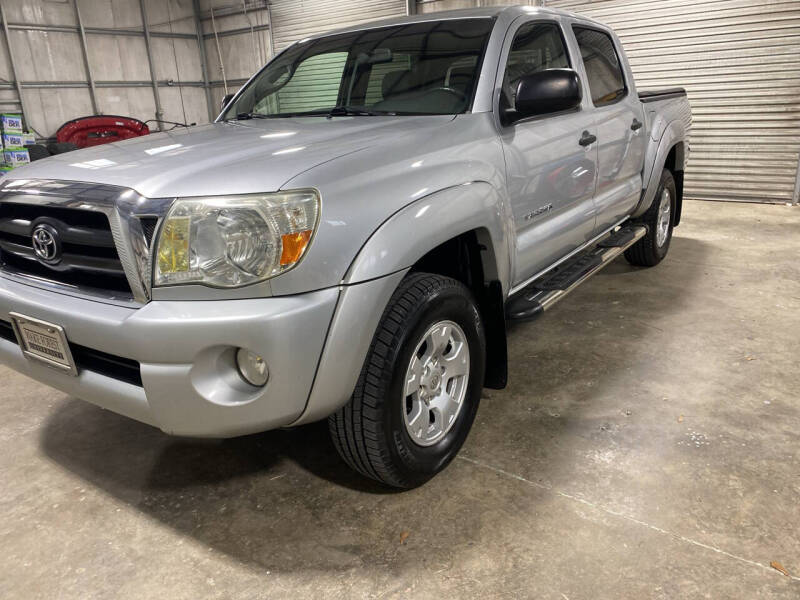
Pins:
x,y
429,351
659,219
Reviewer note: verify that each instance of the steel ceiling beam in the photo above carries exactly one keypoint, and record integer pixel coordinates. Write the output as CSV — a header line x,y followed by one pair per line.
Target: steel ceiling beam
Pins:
x,y
98,84
95,30
241,30
233,9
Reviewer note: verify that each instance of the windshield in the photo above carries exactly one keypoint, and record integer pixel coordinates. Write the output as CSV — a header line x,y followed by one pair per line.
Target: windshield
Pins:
x,y
426,68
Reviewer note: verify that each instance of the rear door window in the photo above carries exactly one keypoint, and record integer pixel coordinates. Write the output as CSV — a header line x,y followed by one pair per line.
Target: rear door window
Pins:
x,y
603,67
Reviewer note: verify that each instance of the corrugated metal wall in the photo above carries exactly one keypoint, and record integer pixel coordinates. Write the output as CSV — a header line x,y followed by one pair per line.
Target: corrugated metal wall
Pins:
x,y
296,19
740,63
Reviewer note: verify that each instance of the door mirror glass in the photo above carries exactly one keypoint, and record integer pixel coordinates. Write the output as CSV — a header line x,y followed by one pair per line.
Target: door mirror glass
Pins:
x,y
546,92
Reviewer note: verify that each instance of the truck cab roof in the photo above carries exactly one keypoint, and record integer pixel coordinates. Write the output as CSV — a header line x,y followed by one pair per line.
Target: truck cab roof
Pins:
x,y
507,13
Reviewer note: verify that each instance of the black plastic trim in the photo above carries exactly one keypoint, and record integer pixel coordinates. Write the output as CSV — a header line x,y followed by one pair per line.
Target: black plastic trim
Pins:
x,y
646,96
7,332
115,367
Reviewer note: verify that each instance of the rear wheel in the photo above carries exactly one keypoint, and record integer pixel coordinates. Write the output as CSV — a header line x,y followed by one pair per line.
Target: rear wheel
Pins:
x,y
420,386
659,218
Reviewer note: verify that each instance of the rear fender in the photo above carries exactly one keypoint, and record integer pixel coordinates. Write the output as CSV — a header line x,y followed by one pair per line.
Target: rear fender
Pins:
x,y
655,159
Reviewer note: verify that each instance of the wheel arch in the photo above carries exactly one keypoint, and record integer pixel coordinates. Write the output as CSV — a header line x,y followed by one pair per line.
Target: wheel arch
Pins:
x,y
477,224
670,152
422,226
460,232
469,258
675,161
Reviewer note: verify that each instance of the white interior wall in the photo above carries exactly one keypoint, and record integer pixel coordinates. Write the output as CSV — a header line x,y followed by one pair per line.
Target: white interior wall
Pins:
x,y
242,54
57,56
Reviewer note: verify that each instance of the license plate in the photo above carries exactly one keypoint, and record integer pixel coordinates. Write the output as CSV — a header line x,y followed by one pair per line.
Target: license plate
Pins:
x,y
44,342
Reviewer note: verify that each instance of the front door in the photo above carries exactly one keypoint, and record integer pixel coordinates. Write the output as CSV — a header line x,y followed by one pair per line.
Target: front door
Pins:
x,y
550,167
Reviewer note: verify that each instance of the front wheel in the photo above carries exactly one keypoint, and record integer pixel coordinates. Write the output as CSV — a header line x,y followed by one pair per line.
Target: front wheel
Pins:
x,y
420,386
653,247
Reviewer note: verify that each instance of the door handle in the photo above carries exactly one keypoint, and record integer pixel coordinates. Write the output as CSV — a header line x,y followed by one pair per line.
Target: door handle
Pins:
x,y
636,125
587,139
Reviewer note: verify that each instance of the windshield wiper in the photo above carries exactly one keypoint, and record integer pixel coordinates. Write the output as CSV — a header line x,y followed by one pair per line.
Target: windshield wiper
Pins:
x,y
336,111
356,111
251,115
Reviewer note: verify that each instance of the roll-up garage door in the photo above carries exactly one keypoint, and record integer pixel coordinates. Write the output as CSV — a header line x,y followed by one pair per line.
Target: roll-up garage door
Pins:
x,y
739,60
294,20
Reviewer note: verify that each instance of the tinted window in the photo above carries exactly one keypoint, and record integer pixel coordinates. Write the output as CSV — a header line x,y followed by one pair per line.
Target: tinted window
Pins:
x,y
314,85
603,68
536,47
419,68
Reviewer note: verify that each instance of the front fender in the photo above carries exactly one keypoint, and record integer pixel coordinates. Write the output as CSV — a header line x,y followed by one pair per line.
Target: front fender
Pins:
x,y
418,228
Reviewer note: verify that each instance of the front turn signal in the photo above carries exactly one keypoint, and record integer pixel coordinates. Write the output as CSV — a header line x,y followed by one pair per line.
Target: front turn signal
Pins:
x,y
294,244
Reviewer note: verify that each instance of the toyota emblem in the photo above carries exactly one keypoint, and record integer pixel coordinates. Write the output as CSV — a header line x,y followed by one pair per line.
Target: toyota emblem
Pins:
x,y
46,243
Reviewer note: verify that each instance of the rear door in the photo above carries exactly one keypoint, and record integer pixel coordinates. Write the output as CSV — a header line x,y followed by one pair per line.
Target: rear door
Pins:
x,y
619,120
550,175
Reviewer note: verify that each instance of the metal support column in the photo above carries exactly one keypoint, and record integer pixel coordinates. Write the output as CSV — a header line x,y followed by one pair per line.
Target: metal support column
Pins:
x,y
147,45
411,7
271,41
85,50
11,60
201,46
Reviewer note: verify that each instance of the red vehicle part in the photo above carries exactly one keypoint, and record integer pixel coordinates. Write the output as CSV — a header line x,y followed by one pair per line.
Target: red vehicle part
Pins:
x,y
100,129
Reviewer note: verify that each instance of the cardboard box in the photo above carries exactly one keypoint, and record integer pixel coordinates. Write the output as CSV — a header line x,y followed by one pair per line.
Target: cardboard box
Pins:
x,y
11,123
12,141
16,157
5,170
28,139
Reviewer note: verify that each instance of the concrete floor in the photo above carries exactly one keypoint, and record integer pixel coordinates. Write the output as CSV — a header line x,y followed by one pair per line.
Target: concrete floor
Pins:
x,y
648,446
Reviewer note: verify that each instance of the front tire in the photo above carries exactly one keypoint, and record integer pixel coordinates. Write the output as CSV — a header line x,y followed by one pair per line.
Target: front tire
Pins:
x,y
659,218
419,388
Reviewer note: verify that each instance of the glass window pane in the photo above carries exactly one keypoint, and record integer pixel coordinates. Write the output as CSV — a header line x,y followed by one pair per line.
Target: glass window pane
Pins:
x,y
603,68
429,67
313,86
536,47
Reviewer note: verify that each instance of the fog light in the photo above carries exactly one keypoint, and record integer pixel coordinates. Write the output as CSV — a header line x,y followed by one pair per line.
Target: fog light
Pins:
x,y
252,367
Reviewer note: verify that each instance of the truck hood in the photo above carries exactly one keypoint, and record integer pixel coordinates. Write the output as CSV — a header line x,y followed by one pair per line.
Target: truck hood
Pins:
x,y
239,157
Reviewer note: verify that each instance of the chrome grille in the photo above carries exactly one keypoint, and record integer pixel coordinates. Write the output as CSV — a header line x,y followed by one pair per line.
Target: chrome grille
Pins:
x,y
88,256
103,234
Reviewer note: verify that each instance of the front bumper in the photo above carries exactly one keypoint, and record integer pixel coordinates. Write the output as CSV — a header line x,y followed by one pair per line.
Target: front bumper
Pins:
x,y
186,349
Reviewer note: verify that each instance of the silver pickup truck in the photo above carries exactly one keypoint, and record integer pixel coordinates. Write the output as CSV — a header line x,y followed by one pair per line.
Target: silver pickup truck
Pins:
x,y
349,238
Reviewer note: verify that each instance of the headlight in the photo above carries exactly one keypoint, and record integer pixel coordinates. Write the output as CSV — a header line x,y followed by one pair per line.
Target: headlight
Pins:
x,y
230,241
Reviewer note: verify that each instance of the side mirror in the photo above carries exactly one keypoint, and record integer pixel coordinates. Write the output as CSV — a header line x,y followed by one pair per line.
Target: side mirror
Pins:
x,y
545,92
226,100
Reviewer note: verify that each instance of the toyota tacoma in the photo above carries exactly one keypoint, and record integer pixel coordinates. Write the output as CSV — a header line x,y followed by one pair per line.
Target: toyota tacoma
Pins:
x,y
349,238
